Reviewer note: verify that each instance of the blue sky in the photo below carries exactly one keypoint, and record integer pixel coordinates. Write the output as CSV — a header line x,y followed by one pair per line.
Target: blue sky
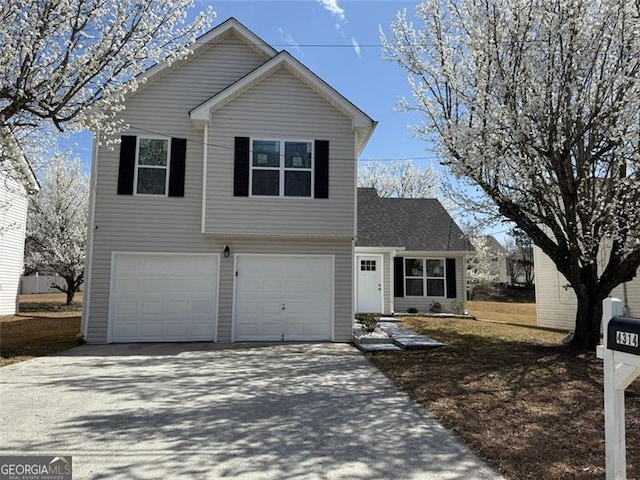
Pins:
x,y
338,40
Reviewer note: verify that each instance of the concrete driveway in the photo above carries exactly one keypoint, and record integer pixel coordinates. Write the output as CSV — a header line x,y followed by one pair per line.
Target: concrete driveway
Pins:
x,y
303,411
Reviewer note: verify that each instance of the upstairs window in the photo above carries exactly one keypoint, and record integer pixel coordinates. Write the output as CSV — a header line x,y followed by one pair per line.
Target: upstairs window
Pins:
x,y
152,166
281,168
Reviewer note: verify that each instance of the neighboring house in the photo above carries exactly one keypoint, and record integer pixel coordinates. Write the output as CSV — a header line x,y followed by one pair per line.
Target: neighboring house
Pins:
x,y
227,213
15,188
498,259
556,302
409,254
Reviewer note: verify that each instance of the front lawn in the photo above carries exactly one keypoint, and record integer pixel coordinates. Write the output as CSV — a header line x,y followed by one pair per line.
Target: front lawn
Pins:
x,y
532,408
48,326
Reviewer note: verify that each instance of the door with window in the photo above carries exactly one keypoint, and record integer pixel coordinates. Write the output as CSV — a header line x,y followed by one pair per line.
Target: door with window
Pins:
x,y
369,284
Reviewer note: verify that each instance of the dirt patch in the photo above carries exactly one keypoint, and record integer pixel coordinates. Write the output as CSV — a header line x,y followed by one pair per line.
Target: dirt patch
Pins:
x,y
50,327
25,337
532,408
49,302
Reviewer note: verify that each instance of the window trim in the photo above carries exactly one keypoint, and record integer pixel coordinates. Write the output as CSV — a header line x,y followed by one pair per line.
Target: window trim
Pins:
x,y
281,169
424,277
158,167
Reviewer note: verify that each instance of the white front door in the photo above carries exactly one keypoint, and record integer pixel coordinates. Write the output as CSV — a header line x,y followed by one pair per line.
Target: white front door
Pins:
x,y
369,284
283,298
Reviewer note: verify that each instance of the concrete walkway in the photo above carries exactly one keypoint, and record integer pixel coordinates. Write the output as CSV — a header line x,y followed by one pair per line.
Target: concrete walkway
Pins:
x,y
206,411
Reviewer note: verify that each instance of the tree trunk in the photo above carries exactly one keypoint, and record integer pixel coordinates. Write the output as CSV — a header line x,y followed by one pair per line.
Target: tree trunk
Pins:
x,y
588,319
71,289
70,294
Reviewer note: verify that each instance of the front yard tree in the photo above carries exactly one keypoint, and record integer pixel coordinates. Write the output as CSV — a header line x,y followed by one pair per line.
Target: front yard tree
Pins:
x,y
535,104
67,65
57,224
400,178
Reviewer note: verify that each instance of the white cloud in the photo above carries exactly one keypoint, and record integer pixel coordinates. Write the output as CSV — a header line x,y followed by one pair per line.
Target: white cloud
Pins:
x,y
289,40
356,46
340,17
332,7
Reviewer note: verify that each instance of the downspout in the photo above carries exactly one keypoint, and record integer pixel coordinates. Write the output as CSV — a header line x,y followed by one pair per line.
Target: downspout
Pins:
x,y
86,298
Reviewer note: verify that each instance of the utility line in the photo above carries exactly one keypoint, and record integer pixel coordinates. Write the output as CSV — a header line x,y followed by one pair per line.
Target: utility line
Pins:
x,y
225,147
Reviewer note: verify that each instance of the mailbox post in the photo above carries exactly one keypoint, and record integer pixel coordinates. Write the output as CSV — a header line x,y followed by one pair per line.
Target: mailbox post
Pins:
x,y
621,355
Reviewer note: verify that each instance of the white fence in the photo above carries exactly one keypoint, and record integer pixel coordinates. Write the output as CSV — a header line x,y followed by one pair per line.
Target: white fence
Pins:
x,y
41,283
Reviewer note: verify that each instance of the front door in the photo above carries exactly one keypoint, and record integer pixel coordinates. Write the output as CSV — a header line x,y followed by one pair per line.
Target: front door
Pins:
x,y
369,284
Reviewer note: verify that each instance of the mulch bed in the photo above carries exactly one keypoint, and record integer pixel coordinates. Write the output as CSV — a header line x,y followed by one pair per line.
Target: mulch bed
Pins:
x,y
531,407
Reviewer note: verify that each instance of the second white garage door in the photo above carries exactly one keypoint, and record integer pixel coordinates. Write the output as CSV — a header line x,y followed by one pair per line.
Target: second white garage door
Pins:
x,y
163,297
283,298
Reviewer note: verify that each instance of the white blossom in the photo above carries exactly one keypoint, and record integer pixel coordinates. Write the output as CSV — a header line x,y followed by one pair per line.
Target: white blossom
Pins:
x,y
57,223
399,178
537,103
67,65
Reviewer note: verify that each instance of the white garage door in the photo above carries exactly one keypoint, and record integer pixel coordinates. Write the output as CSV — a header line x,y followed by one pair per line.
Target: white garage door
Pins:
x,y
283,298
163,298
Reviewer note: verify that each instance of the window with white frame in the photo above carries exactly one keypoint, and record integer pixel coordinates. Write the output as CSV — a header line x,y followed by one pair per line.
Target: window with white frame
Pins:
x,y
424,277
152,166
281,168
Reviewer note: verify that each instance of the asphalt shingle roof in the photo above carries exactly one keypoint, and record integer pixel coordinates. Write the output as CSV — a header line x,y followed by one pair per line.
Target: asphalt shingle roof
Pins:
x,y
418,224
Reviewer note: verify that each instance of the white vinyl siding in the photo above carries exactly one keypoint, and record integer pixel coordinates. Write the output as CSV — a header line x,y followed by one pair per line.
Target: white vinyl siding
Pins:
x,y
556,302
280,106
149,223
13,217
174,224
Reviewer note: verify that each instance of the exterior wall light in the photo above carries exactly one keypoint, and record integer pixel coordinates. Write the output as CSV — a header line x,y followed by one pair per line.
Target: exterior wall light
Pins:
x,y
227,251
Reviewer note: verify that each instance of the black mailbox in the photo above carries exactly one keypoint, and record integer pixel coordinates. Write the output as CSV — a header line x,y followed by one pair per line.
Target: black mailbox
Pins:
x,y
623,335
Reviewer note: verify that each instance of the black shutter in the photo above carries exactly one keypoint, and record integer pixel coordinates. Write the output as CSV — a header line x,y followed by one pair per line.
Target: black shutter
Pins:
x,y
321,183
177,166
398,277
127,164
451,278
241,167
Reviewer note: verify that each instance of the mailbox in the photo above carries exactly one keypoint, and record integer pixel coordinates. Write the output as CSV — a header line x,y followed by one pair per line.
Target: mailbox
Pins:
x,y
623,335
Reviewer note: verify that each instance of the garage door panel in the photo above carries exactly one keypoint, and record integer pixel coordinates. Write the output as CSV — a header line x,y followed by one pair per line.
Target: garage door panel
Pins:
x,y
265,283
204,307
155,298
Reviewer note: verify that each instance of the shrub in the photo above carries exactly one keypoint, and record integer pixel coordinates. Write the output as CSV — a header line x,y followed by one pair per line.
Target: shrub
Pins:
x,y
369,321
436,307
457,306
412,310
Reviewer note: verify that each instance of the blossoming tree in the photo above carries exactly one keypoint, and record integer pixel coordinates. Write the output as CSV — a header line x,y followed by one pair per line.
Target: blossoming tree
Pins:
x,y
68,64
400,178
536,103
57,224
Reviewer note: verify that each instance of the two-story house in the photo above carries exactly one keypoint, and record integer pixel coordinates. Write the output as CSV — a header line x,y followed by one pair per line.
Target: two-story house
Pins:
x,y
227,211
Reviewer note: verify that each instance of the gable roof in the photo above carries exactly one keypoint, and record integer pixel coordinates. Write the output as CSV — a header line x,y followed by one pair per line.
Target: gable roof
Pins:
x,y
213,36
23,173
361,122
494,245
415,224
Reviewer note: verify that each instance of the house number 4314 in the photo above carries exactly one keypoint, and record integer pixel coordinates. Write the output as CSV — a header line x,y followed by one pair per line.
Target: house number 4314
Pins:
x,y
625,338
